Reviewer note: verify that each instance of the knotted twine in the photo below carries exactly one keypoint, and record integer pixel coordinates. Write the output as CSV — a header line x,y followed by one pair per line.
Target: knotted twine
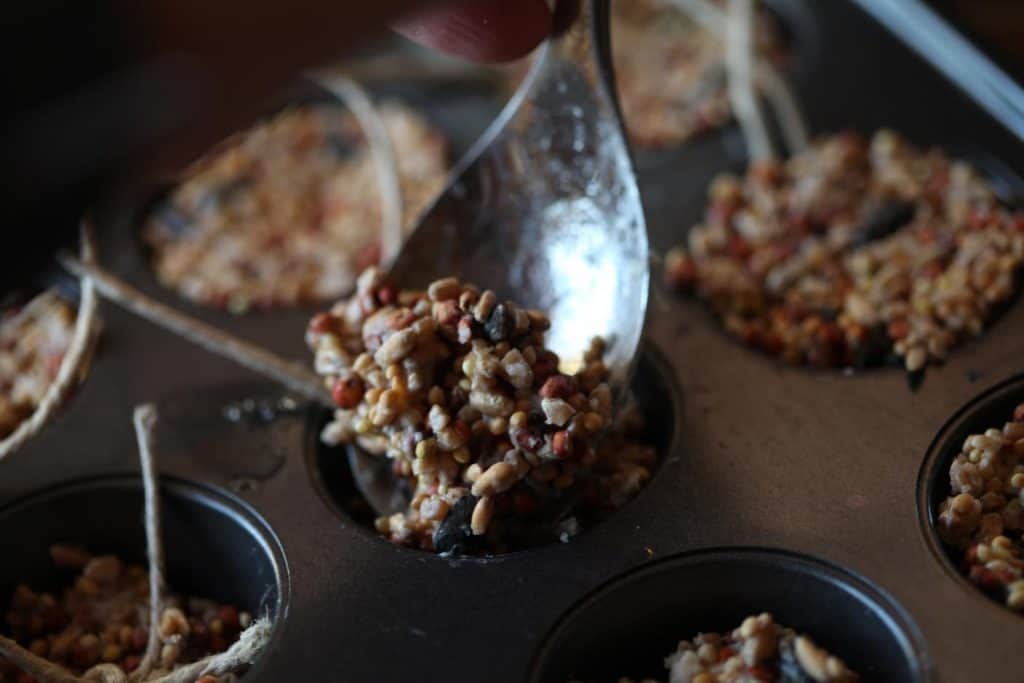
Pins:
x,y
765,76
244,651
389,187
72,366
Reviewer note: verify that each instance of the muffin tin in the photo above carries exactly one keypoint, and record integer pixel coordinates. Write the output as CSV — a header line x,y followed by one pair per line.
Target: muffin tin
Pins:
x,y
780,488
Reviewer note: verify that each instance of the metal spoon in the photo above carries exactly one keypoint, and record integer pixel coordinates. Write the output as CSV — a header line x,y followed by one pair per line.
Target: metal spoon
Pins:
x,y
544,210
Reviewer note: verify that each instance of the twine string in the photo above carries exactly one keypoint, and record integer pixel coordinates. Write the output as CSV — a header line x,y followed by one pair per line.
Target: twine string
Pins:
x,y
72,366
293,375
248,646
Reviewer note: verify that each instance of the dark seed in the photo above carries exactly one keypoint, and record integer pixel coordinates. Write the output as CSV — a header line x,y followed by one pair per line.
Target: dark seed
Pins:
x,y
500,325
172,219
883,221
454,535
915,379
341,146
222,194
830,314
874,349
530,439
790,670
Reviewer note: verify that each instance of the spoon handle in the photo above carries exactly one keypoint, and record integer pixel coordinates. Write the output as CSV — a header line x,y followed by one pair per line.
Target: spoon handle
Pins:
x,y
581,37
580,42
544,209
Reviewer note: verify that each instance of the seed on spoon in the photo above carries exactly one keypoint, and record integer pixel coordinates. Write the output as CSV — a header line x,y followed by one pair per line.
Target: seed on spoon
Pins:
x,y
462,396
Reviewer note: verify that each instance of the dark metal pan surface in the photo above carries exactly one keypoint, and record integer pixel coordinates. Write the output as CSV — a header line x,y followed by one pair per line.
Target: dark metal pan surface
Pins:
x,y
817,469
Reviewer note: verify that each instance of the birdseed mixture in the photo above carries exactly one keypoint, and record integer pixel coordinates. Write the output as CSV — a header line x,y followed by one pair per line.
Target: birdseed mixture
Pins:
x,y
288,212
103,616
983,517
670,71
33,341
759,651
457,389
854,254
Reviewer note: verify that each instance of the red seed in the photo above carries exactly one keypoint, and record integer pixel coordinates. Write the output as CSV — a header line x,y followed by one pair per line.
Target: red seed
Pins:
x,y
979,218
462,429
130,663
53,364
387,294
769,172
558,386
938,182
739,248
932,270
530,440
347,392
218,644
229,615
770,343
971,554
561,444
321,322
927,235
680,271
898,329
985,578
199,634
523,502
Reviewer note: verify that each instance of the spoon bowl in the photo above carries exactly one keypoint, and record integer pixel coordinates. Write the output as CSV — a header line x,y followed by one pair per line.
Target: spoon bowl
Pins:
x,y
545,209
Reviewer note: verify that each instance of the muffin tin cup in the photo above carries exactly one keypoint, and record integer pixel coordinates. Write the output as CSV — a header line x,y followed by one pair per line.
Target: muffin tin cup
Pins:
x,y
460,113
629,625
990,409
214,547
656,397
757,454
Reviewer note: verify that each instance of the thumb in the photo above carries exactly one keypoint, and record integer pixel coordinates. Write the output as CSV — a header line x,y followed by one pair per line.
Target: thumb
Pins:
x,y
481,30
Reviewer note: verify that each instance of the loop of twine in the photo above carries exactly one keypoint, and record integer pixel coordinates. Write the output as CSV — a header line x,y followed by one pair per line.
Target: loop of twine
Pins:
x,y
294,376
144,419
766,76
249,644
72,366
291,374
383,152
739,48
